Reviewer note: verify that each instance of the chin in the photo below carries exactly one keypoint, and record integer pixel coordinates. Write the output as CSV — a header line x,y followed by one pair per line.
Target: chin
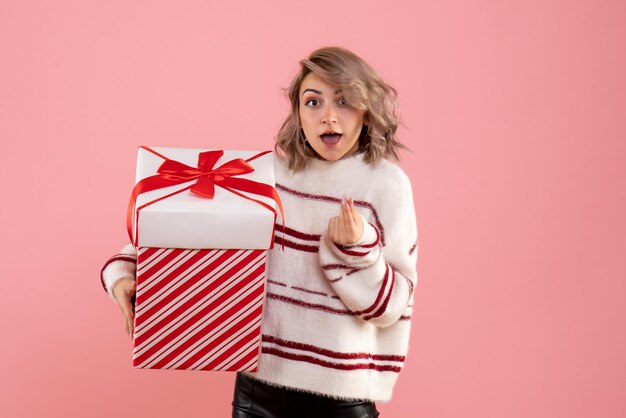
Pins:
x,y
333,157
330,154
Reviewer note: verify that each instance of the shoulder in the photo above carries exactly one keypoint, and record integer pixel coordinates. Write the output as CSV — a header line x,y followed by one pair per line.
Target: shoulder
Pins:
x,y
393,200
391,178
281,169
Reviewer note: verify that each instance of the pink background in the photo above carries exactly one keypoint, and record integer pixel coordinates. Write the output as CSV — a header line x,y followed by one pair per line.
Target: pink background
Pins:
x,y
515,112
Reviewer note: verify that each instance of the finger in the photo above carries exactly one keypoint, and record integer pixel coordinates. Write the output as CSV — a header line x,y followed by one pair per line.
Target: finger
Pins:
x,y
358,220
345,206
331,229
127,310
129,327
336,231
129,322
356,217
340,214
348,220
353,212
348,224
126,306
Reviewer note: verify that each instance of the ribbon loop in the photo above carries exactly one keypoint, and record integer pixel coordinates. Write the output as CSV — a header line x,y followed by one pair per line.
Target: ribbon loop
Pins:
x,y
208,159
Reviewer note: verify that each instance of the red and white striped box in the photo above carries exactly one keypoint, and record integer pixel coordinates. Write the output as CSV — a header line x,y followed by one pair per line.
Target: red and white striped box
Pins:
x,y
199,309
201,262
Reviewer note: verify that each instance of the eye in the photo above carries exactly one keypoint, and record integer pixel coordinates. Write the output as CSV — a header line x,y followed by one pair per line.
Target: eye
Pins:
x,y
343,101
311,100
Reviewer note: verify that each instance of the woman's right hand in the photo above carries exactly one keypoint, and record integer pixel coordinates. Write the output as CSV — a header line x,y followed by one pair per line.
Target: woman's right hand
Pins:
x,y
123,291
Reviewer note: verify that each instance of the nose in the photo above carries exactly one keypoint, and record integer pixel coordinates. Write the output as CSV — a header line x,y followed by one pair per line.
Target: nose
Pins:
x,y
329,115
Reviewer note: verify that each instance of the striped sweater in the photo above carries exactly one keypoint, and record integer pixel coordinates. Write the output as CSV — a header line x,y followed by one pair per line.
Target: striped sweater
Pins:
x,y
336,318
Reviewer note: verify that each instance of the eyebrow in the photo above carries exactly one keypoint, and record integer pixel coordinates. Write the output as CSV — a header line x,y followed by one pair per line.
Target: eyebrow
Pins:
x,y
319,92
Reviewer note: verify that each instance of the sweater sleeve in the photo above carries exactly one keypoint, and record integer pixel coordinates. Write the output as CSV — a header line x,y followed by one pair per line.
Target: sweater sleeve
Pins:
x,y
376,281
120,265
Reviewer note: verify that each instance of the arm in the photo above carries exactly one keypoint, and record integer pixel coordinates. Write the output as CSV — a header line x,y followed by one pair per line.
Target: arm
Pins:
x,y
120,265
373,281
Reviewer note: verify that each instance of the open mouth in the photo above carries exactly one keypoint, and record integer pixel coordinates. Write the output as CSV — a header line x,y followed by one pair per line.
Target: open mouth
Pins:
x,y
330,138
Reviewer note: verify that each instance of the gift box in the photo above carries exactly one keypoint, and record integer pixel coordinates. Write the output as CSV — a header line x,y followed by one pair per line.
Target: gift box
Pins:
x,y
202,222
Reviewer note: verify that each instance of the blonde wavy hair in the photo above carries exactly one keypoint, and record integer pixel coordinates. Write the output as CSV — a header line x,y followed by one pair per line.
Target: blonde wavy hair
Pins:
x,y
363,89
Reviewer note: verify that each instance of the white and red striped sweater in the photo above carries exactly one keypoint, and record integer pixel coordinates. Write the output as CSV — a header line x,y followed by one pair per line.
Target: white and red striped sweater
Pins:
x,y
336,319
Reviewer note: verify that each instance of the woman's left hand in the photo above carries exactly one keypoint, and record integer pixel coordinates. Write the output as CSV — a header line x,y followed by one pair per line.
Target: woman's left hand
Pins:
x,y
347,228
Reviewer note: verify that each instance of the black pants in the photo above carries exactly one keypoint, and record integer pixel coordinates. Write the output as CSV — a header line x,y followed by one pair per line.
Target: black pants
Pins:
x,y
255,399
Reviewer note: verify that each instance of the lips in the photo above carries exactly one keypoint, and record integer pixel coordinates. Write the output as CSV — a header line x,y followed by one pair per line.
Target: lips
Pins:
x,y
330,138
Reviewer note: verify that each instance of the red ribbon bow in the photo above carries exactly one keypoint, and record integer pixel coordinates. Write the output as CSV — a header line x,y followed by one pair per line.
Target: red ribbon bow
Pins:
x,y
171,173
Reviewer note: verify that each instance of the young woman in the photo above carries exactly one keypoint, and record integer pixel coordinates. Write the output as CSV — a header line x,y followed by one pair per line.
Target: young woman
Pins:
x,y
339,299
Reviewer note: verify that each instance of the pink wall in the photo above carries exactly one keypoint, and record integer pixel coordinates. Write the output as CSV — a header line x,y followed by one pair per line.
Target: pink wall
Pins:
x,y
515,112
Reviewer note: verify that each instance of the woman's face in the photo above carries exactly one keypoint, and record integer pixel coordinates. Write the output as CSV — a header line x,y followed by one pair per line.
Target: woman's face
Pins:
x,y
329,124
